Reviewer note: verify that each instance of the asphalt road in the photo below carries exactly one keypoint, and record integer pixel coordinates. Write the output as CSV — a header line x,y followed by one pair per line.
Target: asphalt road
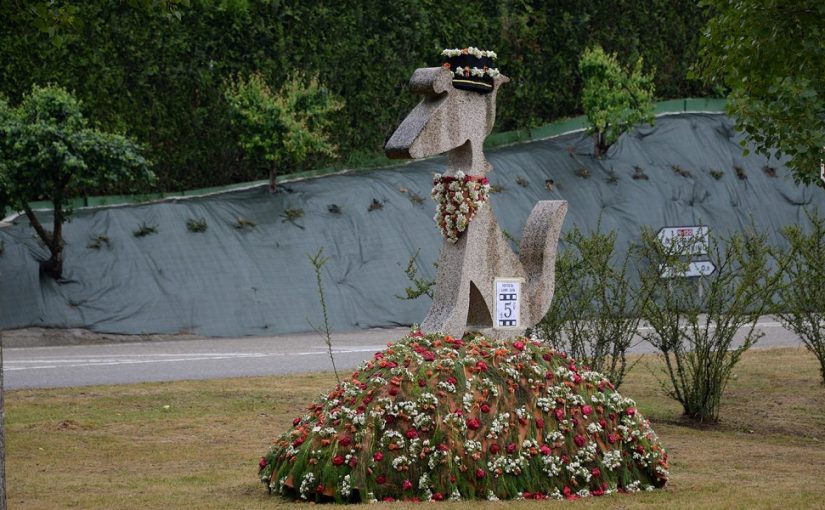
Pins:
x,y
215,358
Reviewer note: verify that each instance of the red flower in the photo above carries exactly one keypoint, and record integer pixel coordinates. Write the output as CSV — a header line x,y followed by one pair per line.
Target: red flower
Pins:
x,y
443,447
353,462
603,423
407,485
428,356
298,442
481,366
338,460
630,411
577,378
545,450
494,448
596,472
539,423
511,448
378,456
422,383
452,380
485,408
388,499
567,492
579,440
473,424
262,464
394,391
438,496
320,489
549,375
565,459
380,479
587,410
559,414
480,473
518,345
612,438
345,441
412,434
295,422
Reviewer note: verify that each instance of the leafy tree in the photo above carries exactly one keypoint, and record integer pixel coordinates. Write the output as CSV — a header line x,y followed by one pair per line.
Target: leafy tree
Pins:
x,y
770,54
281,128
614,99
802,298
48,152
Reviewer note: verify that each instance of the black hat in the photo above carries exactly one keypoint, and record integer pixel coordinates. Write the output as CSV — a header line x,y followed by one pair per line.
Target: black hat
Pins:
x,y
472,69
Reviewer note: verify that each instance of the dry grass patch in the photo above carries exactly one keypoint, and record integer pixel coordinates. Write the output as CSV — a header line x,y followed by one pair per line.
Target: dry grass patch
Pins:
x,y
196,444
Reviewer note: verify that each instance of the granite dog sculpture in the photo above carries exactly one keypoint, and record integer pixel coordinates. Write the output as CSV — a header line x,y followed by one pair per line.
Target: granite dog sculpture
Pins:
x,y
457,122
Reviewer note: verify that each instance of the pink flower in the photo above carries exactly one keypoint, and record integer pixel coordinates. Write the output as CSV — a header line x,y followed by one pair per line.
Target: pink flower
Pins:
x,y
443,447
412,434
388,499
612,438
452,380
428,356
559,414
587,410
378,456
579,440
480,473
511,448
545,450
518,345
630,411
407,485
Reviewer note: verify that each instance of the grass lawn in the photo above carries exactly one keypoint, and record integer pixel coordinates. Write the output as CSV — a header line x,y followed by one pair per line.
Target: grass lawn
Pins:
x,y
196,445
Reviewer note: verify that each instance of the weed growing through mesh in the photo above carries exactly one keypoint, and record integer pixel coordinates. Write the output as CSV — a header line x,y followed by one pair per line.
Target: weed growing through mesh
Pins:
x,y
144,230
197,225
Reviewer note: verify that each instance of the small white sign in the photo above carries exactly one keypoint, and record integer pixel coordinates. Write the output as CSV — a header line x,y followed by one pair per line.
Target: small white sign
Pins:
x,y
701,268
508,301
691,239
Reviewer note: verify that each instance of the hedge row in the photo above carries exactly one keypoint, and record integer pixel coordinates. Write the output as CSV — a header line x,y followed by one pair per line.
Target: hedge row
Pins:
x,y
159,78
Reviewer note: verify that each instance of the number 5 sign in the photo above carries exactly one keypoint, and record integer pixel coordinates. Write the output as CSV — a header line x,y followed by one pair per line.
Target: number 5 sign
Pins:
x,y
508,301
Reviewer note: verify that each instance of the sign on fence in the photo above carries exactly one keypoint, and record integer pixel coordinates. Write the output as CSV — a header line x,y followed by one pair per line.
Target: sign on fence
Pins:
x,y
700,268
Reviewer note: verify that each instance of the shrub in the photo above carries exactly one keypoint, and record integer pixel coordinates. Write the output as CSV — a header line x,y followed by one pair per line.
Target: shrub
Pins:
x,y
694,320
597,303
802,297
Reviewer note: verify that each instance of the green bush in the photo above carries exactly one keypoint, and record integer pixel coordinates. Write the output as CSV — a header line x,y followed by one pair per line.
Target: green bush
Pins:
x,y
597,303
802,298
159,77
694,320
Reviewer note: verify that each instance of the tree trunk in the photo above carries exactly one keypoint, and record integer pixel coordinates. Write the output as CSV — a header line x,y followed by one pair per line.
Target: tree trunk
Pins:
x,y
273,178
53,267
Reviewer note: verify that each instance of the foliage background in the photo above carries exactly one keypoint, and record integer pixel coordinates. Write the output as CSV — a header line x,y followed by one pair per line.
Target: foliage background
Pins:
x,y
158,77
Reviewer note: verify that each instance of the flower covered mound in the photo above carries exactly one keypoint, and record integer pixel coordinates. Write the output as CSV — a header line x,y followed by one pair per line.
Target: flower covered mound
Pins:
x,y
434,417
457,201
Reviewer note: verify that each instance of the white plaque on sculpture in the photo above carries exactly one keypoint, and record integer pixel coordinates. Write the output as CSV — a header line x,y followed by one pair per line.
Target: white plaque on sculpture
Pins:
x,y
508,301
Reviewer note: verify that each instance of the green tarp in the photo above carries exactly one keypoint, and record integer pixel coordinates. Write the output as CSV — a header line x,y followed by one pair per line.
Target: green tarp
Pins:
x,y
258,280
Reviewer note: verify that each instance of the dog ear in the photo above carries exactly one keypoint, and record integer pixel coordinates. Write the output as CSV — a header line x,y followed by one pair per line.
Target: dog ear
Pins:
x,y
431,81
